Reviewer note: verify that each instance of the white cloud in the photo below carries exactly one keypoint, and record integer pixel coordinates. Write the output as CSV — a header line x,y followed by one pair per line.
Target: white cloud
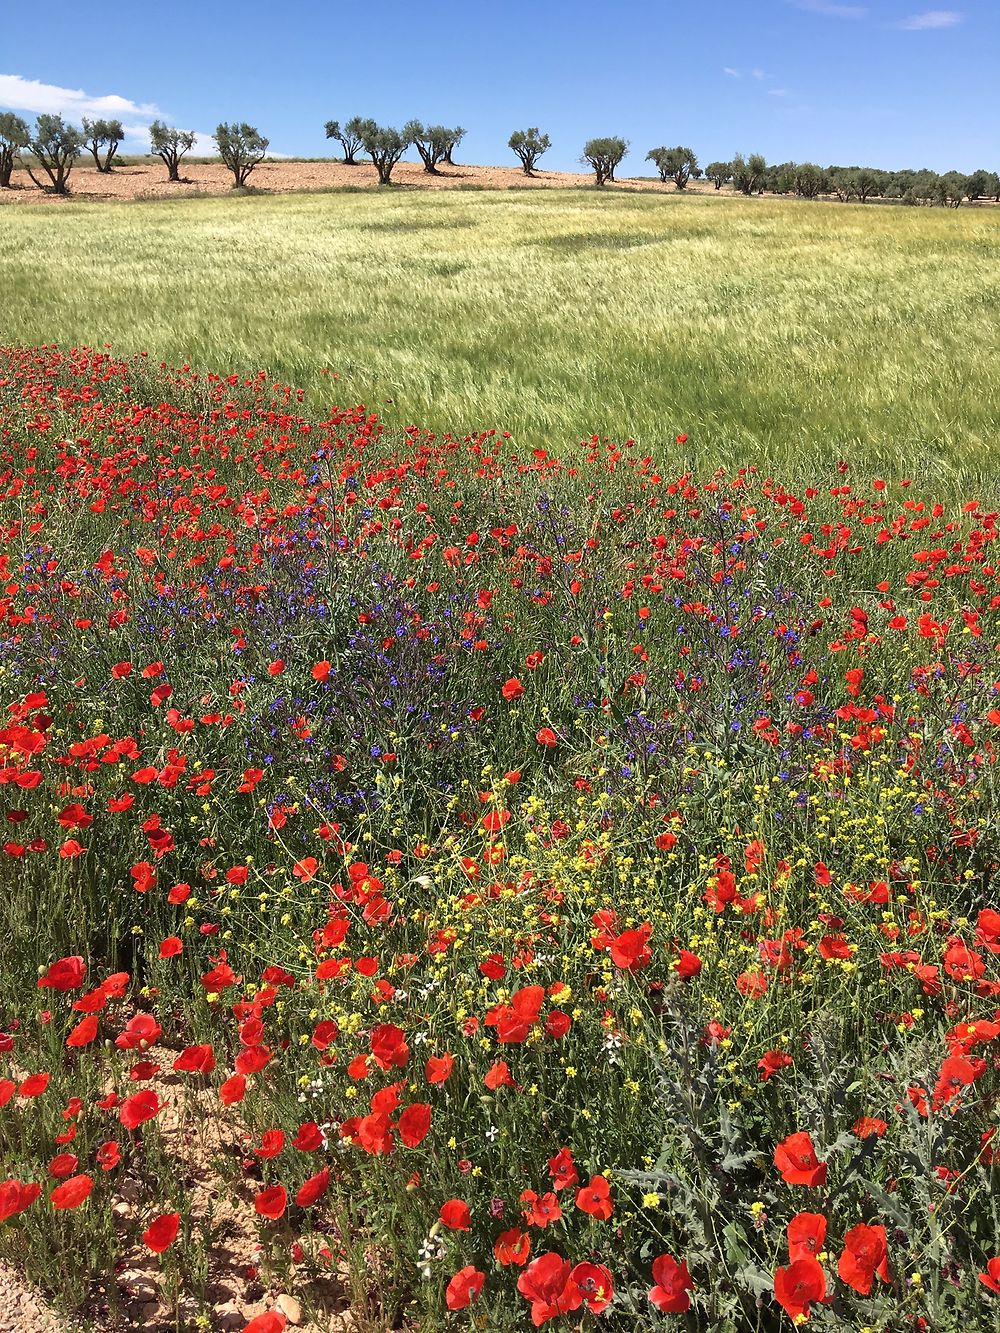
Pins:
x,y
37,98
20,94
933,18
777,92
758,74
831,10
733,73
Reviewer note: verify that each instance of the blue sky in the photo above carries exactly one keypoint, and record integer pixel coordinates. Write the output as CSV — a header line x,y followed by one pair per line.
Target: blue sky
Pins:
x,y
888,83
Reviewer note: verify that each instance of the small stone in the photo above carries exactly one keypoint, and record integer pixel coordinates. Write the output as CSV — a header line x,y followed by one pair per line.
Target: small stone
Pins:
x,y
290,1308
137,1287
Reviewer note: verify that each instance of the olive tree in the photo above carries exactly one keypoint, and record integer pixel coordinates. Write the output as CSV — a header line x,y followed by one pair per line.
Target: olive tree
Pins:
x,y
349,136
432,142
841,183
978,185
953,183
385,146
529,145
719,173
866,183
14,135
242,148
106,134
55,146
603,155
456,136
810,180
170,145
674,164
748,173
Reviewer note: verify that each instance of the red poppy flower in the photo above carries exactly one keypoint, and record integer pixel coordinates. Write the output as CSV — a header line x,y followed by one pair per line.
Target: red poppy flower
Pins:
x,y
630,950
66,974
798,1285
140,1031
195,1060
252,1059
313,1189
512,1247
464,1287
771,1062
269,1322
688,964
270,1202
439,1067
595,1284
806,1233
63,1165
414,1124
673,1282
795,1157
171,947
495,821
16,1196
389,1048
548,1284
512,689
595,1198
108,1155
563,1170
865,1254
455,1215
540,1210
271,1143
990,1279
233,1090
308,1138
752,984
869,1127
34,1085
137,1109
162,1232
325,1033
84,1032
71,1193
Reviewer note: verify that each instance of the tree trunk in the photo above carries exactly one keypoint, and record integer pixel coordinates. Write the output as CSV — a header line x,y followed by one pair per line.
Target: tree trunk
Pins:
x,y
6,169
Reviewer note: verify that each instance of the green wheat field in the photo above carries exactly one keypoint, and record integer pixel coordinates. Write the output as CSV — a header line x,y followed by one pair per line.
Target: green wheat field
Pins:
x,y
768,331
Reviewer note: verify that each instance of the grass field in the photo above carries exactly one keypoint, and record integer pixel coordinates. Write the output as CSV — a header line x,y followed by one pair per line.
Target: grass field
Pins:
x,y
459,886
760,328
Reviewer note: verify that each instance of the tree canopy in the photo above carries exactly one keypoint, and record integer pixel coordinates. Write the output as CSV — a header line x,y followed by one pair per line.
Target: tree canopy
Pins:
x,y
603,155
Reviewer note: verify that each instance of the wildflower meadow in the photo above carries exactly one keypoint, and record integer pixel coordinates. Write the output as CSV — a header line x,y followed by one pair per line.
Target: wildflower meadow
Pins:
x,y
501,887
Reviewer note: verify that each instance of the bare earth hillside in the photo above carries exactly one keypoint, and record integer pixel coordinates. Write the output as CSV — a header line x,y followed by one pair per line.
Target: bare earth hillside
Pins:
x,y
148,180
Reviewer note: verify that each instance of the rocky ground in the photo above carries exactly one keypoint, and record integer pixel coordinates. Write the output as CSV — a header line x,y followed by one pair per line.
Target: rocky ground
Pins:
x,y
237,1288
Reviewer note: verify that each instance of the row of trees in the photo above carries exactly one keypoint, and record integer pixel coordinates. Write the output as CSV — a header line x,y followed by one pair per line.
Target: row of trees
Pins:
x,y
55,146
